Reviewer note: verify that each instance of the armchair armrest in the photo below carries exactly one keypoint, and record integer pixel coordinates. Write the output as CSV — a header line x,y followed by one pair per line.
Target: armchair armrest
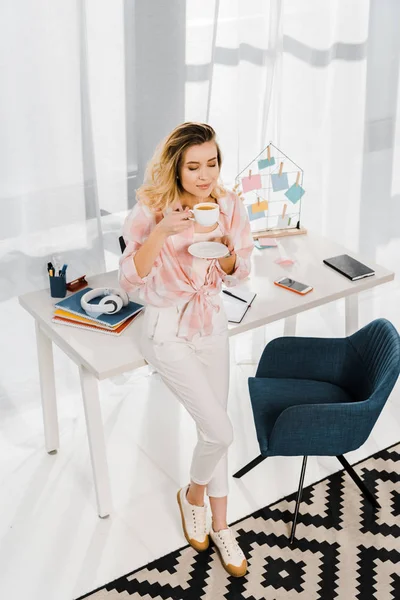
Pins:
x,y
323,429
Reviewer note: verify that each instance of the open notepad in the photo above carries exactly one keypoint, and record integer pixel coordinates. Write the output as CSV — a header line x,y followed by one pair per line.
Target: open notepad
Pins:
x,y
235,308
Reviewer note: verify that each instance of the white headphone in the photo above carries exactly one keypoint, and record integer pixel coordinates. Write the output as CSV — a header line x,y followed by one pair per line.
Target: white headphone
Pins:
x,y
114,299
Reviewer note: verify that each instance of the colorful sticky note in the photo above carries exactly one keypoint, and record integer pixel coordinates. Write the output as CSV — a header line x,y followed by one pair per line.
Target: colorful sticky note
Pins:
x,y
294,193
284,260
261,247
267,242
279,182
254,216
259,206
252,183
264,163
283,222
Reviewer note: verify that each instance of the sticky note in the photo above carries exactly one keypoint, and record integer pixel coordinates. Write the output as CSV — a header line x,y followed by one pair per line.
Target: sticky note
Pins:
x,y
252,183
254,216
294,193
279,182
264,163
283,222
261,246
284,260
259,206
267,242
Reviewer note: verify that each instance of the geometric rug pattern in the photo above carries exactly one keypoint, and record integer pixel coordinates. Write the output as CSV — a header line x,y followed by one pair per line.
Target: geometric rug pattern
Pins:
x,y
344,548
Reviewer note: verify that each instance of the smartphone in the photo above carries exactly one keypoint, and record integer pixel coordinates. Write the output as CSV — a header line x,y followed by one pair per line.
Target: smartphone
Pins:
x,y
293,286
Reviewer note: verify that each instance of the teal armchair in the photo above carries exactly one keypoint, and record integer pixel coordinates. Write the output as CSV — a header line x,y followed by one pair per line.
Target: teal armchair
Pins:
x,y
318,397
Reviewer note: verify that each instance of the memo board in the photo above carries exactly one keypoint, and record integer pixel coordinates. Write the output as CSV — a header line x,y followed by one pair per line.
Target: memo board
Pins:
x,y
271,187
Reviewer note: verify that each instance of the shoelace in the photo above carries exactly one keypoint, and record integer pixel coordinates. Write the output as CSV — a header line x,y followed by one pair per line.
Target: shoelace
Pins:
x,y
230,544
199,519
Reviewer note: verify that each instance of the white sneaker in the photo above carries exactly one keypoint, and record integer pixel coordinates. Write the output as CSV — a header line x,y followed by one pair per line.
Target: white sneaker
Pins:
x,y
231,555
194,522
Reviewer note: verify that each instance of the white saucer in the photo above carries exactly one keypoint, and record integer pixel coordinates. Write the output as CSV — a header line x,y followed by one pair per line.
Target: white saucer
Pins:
x,y
208,250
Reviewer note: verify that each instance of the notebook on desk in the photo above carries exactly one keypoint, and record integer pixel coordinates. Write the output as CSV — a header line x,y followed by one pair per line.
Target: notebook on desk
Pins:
x,y
81,325
349,267
237,302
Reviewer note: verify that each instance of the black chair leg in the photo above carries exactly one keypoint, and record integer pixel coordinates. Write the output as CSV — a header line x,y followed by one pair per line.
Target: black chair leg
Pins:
x,y
298,499
358,481
249,466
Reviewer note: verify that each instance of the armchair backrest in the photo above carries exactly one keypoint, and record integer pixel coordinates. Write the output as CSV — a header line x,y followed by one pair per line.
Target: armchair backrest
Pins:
x,y
378,347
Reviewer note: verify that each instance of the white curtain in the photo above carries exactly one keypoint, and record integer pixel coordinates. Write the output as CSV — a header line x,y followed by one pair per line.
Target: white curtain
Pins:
x,y
340,119
321,80
90,86
233,58
62,136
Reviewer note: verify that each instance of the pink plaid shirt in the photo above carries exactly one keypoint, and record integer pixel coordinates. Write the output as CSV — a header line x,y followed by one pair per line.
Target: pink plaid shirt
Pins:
x,y
172,279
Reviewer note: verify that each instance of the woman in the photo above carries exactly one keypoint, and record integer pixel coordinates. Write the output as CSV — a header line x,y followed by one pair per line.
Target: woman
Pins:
x,y
185,335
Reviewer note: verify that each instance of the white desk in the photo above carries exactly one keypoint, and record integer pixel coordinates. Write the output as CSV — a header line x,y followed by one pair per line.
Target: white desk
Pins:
x,y
101,356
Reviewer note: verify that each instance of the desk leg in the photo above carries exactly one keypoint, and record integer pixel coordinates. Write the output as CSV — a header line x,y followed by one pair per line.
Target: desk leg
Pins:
x,y
289,326
258,341
48,390
351,306
97,446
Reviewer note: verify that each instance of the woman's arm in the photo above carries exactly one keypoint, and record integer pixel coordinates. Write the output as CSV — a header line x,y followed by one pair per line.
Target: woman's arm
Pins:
x,y
174,222
228,263
239,242
144,240
145,257
137,228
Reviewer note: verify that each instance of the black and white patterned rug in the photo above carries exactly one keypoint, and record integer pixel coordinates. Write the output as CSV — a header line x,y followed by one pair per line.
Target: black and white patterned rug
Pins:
x,y
343,550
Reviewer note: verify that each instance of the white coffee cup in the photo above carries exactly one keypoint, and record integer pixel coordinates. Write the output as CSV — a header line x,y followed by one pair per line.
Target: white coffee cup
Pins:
x,y
205,213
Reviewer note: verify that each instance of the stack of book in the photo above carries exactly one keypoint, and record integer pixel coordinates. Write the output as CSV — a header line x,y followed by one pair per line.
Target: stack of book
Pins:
x,y
69,312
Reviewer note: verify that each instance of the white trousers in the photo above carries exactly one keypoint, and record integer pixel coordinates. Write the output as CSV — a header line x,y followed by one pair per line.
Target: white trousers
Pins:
x,y
197,372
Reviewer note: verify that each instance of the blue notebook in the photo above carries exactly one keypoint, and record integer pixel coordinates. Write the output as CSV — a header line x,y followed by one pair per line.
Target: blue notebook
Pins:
x,y
72,304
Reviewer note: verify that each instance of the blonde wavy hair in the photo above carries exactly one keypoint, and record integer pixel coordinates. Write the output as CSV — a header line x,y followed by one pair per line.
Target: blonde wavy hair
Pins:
x,y
162,185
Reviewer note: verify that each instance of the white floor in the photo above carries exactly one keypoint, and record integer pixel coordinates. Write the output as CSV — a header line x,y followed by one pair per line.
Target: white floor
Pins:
x,y
52,544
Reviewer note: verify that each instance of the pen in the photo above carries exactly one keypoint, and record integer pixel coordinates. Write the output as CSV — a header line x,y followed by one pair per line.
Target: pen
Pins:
x,y
56,260
233,296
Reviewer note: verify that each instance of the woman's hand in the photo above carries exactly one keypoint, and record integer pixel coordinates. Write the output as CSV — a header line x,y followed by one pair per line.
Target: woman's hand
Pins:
x,y
226,240
228,262
175,222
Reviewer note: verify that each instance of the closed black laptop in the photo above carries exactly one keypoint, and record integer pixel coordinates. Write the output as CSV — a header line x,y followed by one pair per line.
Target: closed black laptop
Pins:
x,y
349,267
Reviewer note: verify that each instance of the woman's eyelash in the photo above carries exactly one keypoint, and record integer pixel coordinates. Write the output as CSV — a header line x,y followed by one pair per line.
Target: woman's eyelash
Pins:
x,y
195,168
